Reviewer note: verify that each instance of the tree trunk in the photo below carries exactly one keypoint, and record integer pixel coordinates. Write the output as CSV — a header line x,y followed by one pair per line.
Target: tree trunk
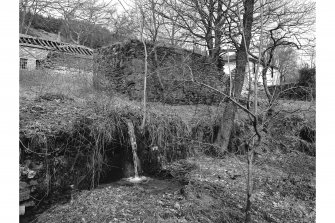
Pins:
x,y
173,34
218,36
227,120
31,19
217,49
228,116
210,45
28,27
249,186
24,6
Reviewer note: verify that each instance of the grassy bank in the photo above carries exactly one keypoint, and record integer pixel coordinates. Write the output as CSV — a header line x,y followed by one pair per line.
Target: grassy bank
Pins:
x,y
79,135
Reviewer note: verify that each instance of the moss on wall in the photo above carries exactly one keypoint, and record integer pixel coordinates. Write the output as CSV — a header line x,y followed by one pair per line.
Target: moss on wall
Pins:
x,y
120,68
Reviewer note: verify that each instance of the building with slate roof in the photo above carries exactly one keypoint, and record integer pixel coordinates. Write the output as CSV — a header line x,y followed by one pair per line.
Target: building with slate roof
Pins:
x,y
34,52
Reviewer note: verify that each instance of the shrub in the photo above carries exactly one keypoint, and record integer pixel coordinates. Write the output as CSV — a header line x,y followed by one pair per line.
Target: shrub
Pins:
x,y
307,76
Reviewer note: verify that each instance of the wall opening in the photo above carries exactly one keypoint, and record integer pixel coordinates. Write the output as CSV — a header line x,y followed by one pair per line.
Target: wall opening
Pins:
x,y
23,63
38,64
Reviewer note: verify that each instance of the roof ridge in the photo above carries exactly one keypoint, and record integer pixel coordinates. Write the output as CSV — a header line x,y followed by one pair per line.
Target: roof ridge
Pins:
x,y
55,45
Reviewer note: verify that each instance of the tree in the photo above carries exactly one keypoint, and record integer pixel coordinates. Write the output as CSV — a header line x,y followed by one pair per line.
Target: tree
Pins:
x,y
242,47
287,24
80,17
307,76
236,24
151,23
123,27
285,60
170,31
202,20
31,8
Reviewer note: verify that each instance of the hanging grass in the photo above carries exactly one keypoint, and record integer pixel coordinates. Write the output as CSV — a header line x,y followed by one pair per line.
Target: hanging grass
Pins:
x,y
85,144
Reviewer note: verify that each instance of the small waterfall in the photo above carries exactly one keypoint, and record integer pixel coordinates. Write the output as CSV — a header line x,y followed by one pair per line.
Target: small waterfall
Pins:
x,y
132,137
135,162
131,132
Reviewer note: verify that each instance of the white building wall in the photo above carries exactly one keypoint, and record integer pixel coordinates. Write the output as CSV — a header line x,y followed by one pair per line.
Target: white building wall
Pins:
x,y
32,54
275,80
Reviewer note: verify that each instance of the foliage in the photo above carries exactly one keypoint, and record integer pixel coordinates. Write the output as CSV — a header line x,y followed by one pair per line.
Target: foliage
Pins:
x,y
285,59
48,24
97,37
307,76
293,91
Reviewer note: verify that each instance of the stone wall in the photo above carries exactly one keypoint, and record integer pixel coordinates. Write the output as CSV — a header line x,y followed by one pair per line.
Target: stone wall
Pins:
x,y
120,68
79,62
54,59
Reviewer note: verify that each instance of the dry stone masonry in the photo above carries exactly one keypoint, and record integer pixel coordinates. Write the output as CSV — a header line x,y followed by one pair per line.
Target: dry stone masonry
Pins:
x,y
120,68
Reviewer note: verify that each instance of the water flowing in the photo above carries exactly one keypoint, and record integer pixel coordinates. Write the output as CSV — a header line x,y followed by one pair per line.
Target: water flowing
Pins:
x,y
133,143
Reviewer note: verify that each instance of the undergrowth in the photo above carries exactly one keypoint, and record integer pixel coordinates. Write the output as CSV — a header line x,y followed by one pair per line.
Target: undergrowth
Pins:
x,y
78,135
86,138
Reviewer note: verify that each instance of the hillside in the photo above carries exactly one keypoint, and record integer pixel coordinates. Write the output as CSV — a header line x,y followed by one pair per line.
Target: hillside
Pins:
x,y
47,35
93,36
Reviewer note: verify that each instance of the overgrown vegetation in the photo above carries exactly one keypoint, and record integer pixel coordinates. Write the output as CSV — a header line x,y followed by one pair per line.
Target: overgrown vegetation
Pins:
x,y
81,140
307,76
231,160
88,32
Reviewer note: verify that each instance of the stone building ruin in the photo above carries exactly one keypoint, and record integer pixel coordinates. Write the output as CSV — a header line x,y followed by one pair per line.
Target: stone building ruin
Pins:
x,y
120,68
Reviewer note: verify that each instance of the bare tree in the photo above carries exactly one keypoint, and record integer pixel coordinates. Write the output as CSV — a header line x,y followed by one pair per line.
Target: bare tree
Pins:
x,y
145,70
81,15
33,7
23,8
287,24
203,20
171,32
151,24
124,26
241,44
285,59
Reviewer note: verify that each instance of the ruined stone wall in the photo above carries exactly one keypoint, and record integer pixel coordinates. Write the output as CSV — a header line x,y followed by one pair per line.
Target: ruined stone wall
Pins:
x,y
59,59
120,68
54,59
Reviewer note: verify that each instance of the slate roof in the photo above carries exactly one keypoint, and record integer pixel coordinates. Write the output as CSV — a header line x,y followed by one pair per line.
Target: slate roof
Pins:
x,y
31,41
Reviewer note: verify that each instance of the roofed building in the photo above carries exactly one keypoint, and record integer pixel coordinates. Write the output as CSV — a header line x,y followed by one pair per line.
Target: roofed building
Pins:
x,y
273,75
35,52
